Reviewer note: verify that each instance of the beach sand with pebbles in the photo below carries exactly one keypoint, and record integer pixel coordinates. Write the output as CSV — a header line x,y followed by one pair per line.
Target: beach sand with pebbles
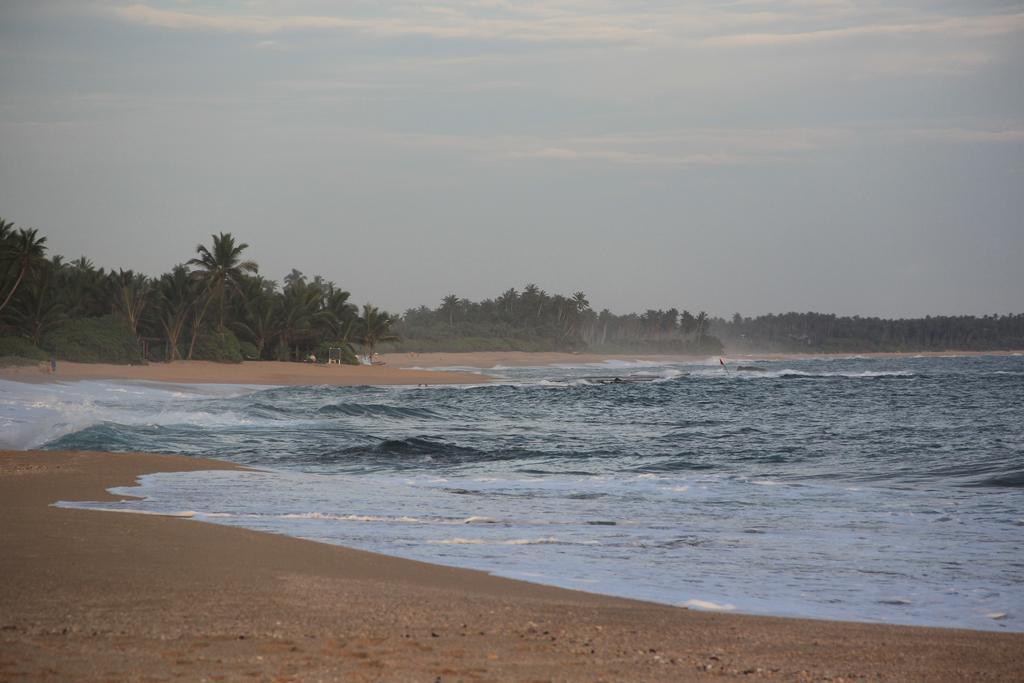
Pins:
x,y
97,596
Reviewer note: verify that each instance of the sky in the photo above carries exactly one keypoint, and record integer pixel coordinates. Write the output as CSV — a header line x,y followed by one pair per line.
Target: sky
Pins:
x,y
752,156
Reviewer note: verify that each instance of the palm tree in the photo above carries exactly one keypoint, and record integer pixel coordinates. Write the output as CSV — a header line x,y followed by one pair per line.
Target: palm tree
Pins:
x,y
130,291
580,300
82,288
296,314
687,323
449,305
507,301
175,296
259,312
218,269
701,321
375,327
37,310
338,316
26,250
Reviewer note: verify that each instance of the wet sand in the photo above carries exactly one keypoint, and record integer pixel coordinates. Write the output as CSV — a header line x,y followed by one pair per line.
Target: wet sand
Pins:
x,y
249,372
90,596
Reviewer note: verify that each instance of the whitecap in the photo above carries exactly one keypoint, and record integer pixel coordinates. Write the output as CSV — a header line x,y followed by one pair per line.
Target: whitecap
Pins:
x,y
707,605
188,514
547,540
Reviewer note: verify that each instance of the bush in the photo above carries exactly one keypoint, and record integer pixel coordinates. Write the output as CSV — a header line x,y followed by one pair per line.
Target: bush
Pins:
x,y
16,362
18,347
95,340
467,344
248,350
220,346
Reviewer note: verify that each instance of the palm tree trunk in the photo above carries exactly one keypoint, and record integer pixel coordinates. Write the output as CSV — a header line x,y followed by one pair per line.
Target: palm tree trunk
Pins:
x,y
21,274
196,326
220,296
173,335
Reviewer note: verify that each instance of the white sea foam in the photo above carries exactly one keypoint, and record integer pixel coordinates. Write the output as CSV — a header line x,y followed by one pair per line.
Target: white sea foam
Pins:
x,y
484,541
548,540
349,518
708,605
400,519
131,511
790,372
34,414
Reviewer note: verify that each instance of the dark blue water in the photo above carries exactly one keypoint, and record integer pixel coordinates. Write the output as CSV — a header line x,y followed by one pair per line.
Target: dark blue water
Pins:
x,y
863,489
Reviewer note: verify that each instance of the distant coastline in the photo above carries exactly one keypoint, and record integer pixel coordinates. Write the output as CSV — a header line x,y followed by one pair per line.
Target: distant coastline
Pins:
x,y
398,368
490,359
217,307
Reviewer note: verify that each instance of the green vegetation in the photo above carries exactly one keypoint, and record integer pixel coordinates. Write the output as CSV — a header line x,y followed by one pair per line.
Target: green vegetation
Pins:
x,y
220,346
533,320
19,348
216,306
107,339
824,332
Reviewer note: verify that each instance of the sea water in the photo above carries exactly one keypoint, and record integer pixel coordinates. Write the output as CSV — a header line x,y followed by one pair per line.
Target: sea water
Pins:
x,y
887,490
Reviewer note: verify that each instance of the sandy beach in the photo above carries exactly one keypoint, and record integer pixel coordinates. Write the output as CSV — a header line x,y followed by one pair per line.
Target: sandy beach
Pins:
x,y
399,368
93,595
249,372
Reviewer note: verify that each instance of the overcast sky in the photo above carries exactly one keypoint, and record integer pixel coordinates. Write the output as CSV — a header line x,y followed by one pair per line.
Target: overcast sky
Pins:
x,y
858,157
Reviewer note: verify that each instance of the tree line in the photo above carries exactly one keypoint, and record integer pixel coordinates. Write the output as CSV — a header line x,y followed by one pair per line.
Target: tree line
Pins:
x,y
534,320
217,306
826,332
214,306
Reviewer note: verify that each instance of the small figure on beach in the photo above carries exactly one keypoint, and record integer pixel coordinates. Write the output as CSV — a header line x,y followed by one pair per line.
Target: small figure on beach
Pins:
x,y
53,363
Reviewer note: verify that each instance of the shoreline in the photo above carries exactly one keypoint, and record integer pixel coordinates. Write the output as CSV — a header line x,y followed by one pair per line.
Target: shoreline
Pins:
x,y
90,596
489,359
273,373
408,369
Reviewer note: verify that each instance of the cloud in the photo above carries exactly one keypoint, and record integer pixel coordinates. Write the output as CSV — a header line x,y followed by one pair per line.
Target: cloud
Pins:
x,y
746,24
696,147
964,27
971,135
531,25
944,63
693,147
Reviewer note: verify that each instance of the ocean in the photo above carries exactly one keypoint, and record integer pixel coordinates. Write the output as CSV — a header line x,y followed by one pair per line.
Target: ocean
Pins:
x,y
866,489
